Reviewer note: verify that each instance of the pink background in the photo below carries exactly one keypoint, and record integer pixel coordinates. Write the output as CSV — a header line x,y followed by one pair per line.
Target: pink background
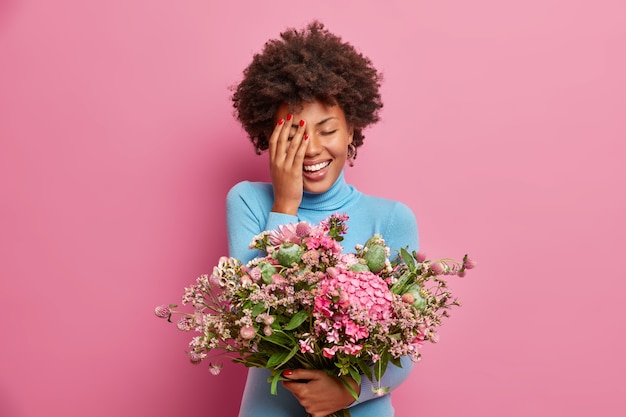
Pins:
x,y
503,129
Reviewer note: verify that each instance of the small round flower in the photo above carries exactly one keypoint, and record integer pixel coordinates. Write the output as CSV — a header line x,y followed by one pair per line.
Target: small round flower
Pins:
x,y
247,332
278,280
195,357
469,263
267,331
245,281
437,268
215,369
163,311
303,229
408,298
379,392
185,323
420,257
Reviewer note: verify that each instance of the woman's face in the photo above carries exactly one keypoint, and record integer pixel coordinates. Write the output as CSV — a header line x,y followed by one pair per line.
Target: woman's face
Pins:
x,y
329,137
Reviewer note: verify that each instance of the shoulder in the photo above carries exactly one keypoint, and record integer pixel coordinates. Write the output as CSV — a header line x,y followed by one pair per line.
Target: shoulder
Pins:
x,y
247,187
248,190
393,219
388,207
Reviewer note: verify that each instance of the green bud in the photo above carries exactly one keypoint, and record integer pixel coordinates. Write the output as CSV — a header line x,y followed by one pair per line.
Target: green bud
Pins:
x,y
289,253
267,270
376,239
359,267
375,257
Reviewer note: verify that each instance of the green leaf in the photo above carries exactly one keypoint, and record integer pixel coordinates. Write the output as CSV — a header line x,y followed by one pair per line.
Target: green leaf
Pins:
x,y
408,259
291,354
365,368
349,387
355,375
396,362
297,319
381,366
274,381
280,338
277,358
258,309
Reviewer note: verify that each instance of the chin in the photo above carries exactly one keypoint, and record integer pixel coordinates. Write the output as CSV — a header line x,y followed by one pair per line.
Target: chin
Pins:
x,y
317,188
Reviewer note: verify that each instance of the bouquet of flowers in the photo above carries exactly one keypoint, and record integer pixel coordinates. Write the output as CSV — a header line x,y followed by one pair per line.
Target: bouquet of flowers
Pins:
x,y
308,304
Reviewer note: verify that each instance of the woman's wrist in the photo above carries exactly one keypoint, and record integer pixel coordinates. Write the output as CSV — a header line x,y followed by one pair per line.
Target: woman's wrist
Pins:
x,y
290,209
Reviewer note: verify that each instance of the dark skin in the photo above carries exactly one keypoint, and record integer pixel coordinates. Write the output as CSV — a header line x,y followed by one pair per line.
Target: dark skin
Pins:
x,y
322,394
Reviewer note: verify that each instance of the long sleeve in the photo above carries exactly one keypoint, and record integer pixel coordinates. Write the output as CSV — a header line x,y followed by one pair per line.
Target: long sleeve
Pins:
x,y
249,213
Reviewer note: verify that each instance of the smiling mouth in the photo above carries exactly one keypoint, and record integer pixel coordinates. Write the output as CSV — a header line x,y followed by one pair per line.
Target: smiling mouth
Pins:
x,y
316,167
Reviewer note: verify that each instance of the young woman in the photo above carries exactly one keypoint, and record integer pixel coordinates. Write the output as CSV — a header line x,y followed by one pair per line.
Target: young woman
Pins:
x,y
306,98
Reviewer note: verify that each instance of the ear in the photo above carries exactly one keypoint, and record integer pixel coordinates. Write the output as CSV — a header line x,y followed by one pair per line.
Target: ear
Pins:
x,y
350,134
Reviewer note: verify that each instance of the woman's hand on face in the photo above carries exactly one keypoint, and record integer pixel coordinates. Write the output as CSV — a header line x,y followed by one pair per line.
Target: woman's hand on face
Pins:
x,y
286,158
322,394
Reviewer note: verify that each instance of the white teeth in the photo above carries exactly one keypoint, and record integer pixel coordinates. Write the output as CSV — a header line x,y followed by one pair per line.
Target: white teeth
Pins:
x,y
316,167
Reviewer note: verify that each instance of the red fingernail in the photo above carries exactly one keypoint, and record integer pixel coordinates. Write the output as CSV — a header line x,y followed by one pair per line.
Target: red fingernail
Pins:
x,y
301,122
306,136
289,116
287,372
281,121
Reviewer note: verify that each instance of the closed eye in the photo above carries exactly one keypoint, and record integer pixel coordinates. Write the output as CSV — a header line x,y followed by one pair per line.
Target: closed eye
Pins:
x,y
329,132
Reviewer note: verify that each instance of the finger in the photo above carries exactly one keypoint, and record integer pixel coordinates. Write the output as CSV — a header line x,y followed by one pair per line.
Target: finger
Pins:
x,y
295,145
301,153
296,388
305,374
282,141
274,137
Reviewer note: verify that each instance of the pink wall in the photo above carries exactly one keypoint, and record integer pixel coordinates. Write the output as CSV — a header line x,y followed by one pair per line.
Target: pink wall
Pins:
x,y
503,130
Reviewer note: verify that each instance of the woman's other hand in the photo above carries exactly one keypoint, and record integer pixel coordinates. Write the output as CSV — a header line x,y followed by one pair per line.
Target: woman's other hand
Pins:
x,y
287,148
322,394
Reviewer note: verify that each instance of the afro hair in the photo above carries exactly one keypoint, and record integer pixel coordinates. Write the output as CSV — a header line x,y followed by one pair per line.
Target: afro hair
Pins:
x,y
303,66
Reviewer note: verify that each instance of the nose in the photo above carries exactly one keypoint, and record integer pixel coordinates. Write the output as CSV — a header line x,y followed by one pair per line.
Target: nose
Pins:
x,y
314,146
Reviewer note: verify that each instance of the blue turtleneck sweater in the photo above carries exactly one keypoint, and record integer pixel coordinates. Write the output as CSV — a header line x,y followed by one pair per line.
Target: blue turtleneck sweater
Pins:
x,y
248,211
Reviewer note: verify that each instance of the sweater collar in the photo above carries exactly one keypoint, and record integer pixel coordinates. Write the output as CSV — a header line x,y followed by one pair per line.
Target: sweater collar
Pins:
x,y
332,199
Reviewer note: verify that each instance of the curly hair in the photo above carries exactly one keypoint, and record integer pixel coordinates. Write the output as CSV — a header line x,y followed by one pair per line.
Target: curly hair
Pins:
x,y
303,66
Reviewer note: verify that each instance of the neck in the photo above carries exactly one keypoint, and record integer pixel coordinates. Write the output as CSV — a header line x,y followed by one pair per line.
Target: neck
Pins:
x,y
331,199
